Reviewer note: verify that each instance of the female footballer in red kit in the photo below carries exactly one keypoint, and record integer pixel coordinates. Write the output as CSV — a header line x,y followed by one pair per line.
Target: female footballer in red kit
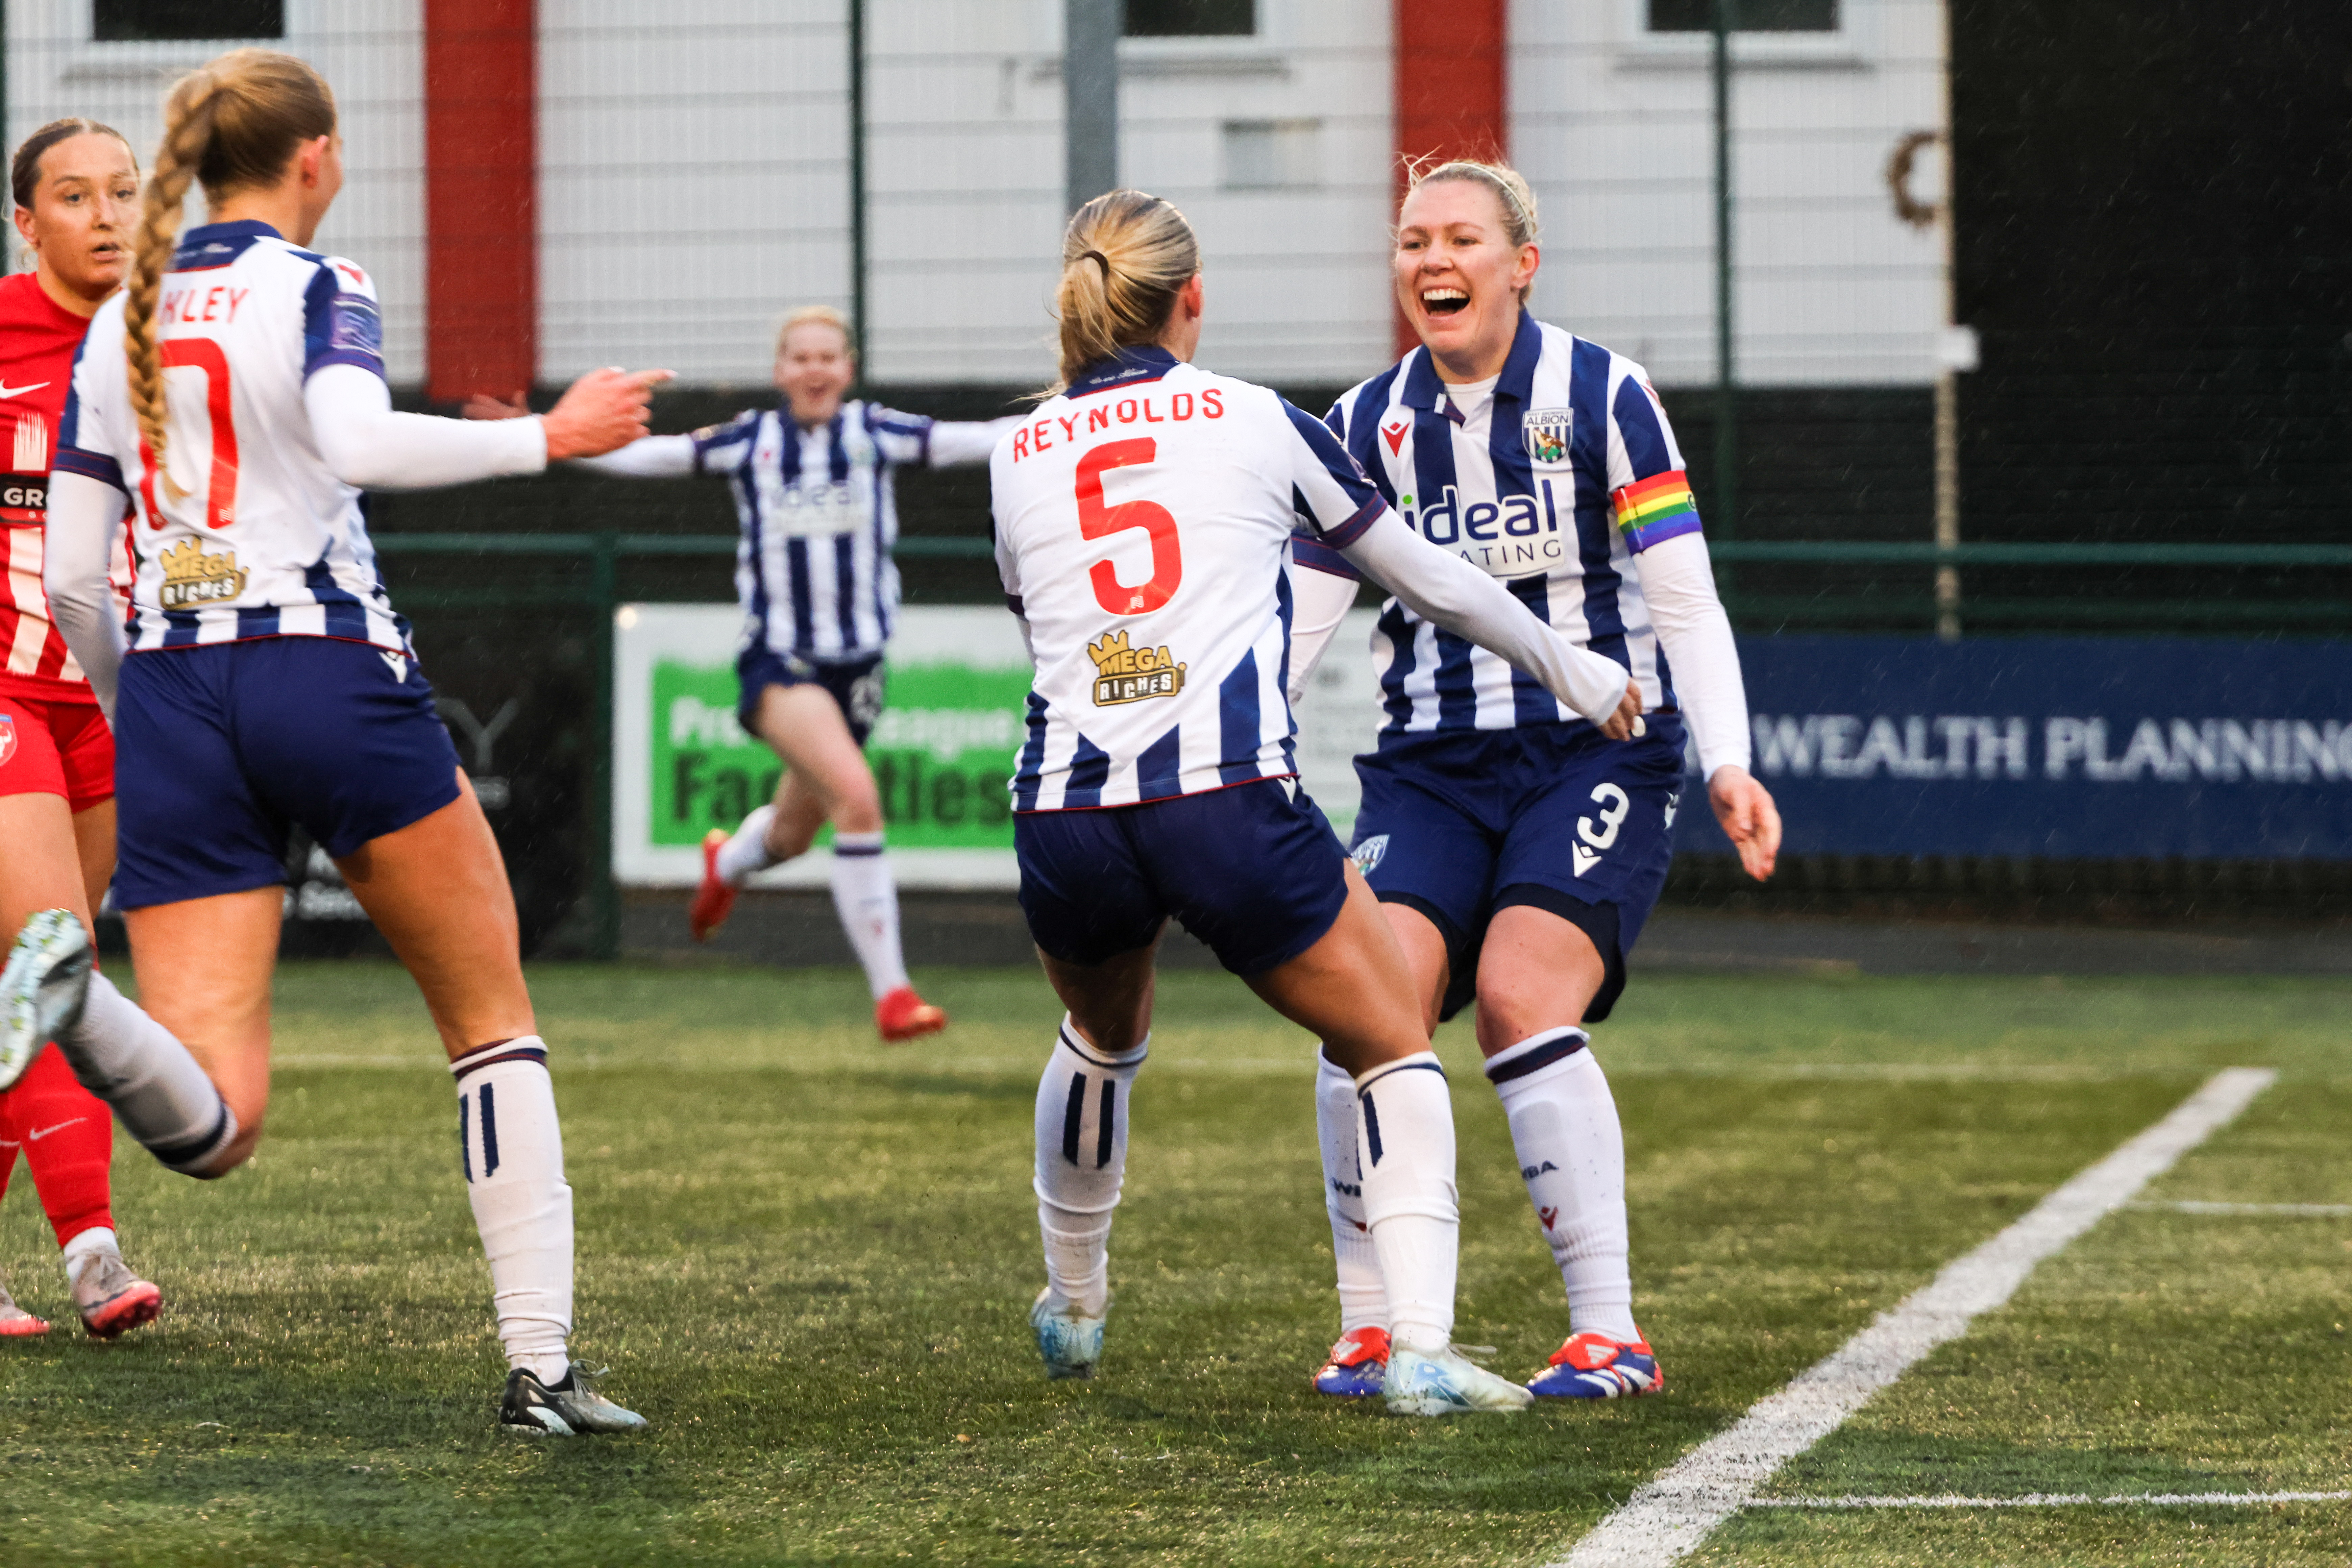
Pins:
x,y
77,205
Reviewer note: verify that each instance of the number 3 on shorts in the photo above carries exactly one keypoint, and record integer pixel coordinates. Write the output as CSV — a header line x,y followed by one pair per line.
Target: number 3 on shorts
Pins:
x,y
1614,804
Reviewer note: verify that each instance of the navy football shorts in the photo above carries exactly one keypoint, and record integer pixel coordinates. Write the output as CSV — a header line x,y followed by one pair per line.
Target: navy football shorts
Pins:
x,y
1252,870
220,749
1560,817
854,686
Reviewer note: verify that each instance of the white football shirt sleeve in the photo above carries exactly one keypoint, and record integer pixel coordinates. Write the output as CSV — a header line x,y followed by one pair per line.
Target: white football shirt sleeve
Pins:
x,y
1319,601
1678,585
85,519
646,457
1442,588
369,446
954,442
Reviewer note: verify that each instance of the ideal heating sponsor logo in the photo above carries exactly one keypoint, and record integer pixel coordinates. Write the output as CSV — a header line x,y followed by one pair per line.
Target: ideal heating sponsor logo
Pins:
x,y
192,579
1124,674
1966,746
1511,537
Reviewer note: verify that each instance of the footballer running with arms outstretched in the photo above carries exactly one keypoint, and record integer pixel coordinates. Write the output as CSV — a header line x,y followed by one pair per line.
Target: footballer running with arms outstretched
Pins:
x,y
1516,849
814,494
235,392
75,187
1141,517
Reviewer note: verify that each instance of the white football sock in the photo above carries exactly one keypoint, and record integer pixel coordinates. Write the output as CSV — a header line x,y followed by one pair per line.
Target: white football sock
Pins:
x,y
87,1244
1082,1115
1405,1143
1573,1156
1364,1297
158,1091
866,897
746,850
512,1150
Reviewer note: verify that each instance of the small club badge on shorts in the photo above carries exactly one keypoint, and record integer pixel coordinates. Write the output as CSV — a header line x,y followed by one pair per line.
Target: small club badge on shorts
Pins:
x,y
7,736
1369,855
1545,431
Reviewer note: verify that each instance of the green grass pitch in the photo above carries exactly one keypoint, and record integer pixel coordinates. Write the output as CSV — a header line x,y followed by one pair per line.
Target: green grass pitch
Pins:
x,y
807,1258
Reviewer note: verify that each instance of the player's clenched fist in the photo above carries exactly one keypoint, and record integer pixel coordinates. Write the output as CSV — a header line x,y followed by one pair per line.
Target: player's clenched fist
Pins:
x,y
1626,722
602,410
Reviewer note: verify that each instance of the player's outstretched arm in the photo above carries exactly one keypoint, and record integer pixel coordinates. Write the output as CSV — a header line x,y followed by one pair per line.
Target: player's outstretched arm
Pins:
x,y
1441,587
1319,602
368,445
85,519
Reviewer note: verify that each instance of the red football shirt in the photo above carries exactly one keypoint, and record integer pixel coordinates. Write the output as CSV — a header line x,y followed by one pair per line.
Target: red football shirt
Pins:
x,y
38,340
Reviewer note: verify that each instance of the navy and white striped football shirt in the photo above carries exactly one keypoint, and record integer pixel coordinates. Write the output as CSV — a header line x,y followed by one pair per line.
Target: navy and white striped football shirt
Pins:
x,y
813,569
1554,480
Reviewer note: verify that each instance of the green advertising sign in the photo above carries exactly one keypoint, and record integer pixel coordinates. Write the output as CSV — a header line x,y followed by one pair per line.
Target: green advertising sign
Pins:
x,y
942,752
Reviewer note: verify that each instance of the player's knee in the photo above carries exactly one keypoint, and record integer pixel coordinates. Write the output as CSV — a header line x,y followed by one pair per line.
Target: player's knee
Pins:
x,y
859,811
235,1153
1514,1006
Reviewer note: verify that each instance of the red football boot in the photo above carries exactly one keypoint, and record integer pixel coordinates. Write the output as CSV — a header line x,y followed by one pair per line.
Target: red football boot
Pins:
x,y
715,900
16,1323
903,1015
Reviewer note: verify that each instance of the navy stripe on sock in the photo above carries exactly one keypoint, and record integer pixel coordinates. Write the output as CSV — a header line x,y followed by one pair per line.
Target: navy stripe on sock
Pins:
x,y
841,848
1398,1068
1108,1123
492,1055
181,1152
1559,1049
1371,1125
465,1147
490,1133
1072,1116
1086,1052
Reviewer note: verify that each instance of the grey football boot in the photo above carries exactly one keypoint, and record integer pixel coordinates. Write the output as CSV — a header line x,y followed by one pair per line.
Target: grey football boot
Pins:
x,y
42,989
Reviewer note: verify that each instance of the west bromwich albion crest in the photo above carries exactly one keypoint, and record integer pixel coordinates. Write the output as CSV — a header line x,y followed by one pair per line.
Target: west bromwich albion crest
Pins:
x,y
1545,431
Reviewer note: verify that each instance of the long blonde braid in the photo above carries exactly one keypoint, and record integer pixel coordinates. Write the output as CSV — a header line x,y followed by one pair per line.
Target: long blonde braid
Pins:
x,y
187,133
234,125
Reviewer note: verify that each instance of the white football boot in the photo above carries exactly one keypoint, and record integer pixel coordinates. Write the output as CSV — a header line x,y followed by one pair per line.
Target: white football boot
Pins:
x,y
1448,1384
1070,1341
42,989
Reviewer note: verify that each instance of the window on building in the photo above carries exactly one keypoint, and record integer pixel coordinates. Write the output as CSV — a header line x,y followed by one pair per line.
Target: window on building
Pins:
x,y
1273,154
1752,16
1191,18
120,21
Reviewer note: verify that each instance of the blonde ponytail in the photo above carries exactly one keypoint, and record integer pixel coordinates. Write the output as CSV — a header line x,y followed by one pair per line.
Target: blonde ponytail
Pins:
x,y
231,125
1125,258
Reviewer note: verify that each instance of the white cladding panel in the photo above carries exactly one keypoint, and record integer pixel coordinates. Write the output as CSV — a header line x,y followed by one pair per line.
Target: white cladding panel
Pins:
x,y
1615,129
695,178
369,52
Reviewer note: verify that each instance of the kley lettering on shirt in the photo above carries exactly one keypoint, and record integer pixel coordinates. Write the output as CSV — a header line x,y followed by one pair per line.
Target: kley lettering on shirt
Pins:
x,y
263,539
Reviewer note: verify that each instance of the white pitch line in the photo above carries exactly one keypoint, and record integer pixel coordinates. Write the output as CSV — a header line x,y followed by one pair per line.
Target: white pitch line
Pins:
x,y
2282,1211
1666,1519
2057,1499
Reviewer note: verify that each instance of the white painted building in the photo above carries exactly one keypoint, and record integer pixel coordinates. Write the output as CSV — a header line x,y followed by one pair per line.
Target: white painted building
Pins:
x,y
695,172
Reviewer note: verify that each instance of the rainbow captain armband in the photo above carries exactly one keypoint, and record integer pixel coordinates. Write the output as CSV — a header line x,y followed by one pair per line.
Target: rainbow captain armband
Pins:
x,y
1657,508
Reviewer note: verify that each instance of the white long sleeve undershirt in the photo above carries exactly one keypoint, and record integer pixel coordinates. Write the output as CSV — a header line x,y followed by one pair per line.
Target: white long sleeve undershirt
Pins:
x,y
1678,586
1319,602
646,457
1441,587
365,444
85,517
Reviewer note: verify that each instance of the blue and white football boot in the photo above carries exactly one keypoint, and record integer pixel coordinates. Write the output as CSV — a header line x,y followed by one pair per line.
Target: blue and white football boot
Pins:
x,y
1594,1365
1358,1365
42,989
1070,1341
1448,1384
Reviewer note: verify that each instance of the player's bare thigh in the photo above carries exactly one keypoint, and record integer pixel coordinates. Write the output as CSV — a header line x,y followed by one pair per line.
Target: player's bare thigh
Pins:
x,y
1536,972
1426,959
1110,1002
438,891
93,833
203,967
803,726
1352,989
